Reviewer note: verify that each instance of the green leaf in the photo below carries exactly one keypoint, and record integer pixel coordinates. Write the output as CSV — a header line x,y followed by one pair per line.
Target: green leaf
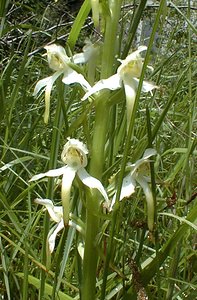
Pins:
x,y
79,21
181,219
151,269
48,288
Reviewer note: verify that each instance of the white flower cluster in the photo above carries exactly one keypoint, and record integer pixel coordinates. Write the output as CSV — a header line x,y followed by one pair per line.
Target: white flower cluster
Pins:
x,y
74,154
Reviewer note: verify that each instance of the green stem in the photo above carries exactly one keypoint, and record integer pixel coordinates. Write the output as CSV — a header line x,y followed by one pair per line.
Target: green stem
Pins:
x,y
99,138
110,46
125,152
98,158
90,254
93,204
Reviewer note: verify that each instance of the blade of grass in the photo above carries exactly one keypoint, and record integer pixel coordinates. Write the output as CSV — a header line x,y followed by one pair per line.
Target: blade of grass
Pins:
x,y
47,289
5,268
79,21
149,272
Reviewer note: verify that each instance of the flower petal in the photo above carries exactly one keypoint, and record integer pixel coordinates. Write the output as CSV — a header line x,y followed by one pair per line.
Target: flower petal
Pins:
x,y
79,58
148,153
48,84
90,51
55,212
130,93
53,233
114,82
57,57
74,154
41,84
71,76
132,64
146,86
128,188
149,201
133,56
92,183
67,179
48,94
80,249
50,173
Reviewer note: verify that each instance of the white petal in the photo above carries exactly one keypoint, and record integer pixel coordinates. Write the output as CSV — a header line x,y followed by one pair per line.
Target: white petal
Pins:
x,y
46,81
53,233
48,84
130,93
41,84
89,51
50,173
112,83
148,153
67,180
149,201
74,154
80,249
134,55
128,188
48,94
71,76
55,212
79,58
92,183
146,86
57,57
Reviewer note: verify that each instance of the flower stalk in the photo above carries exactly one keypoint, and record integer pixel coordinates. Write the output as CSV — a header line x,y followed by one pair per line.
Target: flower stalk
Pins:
x,y
98,155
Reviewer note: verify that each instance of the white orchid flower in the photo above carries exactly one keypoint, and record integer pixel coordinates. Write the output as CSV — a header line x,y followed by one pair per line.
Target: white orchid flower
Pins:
x,y
56,214
127,76
138,174
74,155
60,63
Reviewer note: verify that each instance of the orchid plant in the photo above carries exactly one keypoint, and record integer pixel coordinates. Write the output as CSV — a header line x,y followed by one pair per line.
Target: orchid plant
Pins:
x,y
101,226
74,156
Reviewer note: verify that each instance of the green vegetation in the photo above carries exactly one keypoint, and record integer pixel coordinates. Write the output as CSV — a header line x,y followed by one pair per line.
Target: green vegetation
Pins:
x,y
127,228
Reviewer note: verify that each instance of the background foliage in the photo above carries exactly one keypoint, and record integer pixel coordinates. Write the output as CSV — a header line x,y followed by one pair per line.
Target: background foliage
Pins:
x,y
26,143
